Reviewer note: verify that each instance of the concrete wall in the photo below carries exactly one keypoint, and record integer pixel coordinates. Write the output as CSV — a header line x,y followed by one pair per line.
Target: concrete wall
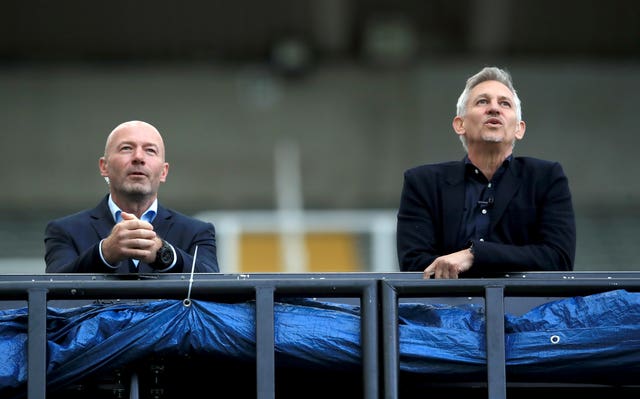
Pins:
x,y
357,129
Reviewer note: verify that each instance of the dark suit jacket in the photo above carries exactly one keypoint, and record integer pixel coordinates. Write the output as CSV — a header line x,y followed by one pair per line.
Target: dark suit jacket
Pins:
x,y
532,226
71,242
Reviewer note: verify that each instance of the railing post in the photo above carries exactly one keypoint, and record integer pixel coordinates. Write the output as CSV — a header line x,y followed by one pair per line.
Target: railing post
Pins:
x,y
496,357
265,346
369,338
37,344
390,340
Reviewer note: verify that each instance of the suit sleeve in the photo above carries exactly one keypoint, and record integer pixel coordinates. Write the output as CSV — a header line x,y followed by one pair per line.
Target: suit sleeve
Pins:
x,y
415,231
63,256
204,238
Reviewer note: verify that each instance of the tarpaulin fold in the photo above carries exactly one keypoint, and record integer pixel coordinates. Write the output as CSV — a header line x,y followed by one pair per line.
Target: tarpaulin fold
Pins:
x,y
574,339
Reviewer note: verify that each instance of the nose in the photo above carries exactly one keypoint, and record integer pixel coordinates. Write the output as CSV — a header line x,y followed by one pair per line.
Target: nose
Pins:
x,y
494,107
138,155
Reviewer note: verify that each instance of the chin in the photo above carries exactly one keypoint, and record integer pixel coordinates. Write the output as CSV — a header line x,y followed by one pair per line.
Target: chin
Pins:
x,y
490,139
137,191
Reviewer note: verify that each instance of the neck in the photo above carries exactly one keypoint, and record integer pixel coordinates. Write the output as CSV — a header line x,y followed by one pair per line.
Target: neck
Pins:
x,y
488,162
136,206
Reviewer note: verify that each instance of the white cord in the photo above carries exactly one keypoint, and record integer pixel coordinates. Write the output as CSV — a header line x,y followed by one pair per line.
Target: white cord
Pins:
x,y
187,301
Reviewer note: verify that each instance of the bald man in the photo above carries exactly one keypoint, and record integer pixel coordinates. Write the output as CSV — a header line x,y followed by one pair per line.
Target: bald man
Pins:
x,y
129,231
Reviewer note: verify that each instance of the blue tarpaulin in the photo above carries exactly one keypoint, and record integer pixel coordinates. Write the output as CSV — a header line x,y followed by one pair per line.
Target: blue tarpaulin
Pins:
x,y
576,338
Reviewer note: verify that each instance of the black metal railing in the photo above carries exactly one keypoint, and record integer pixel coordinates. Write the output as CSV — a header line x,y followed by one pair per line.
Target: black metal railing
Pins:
x,y
378,295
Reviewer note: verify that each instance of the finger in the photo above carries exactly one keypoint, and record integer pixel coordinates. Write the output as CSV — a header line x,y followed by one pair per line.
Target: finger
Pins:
x,y
128,216
139,243
141,232
134,224
447,272
140,224
136,253
442,272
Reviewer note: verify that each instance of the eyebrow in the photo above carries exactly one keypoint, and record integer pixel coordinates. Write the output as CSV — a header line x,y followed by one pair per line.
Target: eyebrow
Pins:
x,y
500,97
134,143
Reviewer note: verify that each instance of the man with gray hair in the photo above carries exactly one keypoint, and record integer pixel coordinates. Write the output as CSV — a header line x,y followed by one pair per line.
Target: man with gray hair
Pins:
x,y
490,213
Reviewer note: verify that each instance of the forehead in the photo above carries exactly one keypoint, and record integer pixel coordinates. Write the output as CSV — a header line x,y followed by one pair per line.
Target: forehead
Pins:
x,y
492,88
139,133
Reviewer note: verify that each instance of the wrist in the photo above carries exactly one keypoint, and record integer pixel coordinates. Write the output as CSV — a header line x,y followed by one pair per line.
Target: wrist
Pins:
x,y
165,256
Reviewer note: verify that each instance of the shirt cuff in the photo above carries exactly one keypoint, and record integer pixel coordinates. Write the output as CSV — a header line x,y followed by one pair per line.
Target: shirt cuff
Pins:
x,y
102,256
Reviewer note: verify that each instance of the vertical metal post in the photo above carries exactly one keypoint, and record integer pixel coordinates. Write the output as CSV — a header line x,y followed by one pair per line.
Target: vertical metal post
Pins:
x,y
369,337
390,340
265,346
496,356
37,344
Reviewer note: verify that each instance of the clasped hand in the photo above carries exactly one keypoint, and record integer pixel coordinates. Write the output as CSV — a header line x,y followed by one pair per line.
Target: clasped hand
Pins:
x,y
131,238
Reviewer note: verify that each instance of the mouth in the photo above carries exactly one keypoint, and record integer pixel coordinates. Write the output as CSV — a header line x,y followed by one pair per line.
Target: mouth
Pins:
x,y
493,122
137,174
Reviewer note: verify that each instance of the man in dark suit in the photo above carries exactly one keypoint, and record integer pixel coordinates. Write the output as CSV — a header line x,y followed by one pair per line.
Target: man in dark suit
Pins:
x,y
129,231
490,213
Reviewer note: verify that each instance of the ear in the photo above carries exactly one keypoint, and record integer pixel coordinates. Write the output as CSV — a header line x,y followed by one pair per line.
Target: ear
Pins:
x,y
102,165
165,172
520,129
458,125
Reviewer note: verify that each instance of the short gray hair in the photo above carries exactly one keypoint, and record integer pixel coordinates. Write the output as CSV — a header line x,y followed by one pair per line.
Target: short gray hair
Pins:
x,y
486,74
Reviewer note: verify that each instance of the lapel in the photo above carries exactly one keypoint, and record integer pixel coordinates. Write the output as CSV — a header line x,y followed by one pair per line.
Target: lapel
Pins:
x,y
162,222
452,202
102,222
508,186
101,218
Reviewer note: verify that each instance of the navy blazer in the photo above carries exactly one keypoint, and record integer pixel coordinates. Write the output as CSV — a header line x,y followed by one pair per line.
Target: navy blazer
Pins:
x,y
532,225
71,242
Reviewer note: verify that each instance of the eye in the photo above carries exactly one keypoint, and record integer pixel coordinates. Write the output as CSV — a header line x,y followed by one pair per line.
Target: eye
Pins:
x,y
506,104
151,150
482,101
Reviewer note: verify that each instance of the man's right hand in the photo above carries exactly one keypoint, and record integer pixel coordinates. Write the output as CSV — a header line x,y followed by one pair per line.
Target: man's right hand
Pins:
x,y
449,266
130,238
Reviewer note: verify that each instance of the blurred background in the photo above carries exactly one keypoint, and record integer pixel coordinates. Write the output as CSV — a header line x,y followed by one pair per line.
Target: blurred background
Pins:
x,y
289,123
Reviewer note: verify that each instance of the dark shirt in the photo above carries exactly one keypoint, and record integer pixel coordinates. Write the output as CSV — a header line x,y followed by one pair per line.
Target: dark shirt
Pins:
x,y
531,220
479,198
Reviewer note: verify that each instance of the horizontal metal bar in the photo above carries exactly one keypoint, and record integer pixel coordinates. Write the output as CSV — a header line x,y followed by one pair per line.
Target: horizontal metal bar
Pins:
x,y
361,286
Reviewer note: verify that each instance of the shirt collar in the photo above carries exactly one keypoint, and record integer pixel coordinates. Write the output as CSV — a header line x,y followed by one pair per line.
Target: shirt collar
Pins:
x,y
470,167
148,215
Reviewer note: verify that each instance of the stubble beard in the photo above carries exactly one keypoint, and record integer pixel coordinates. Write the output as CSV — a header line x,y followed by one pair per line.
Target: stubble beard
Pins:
x,y
136,191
